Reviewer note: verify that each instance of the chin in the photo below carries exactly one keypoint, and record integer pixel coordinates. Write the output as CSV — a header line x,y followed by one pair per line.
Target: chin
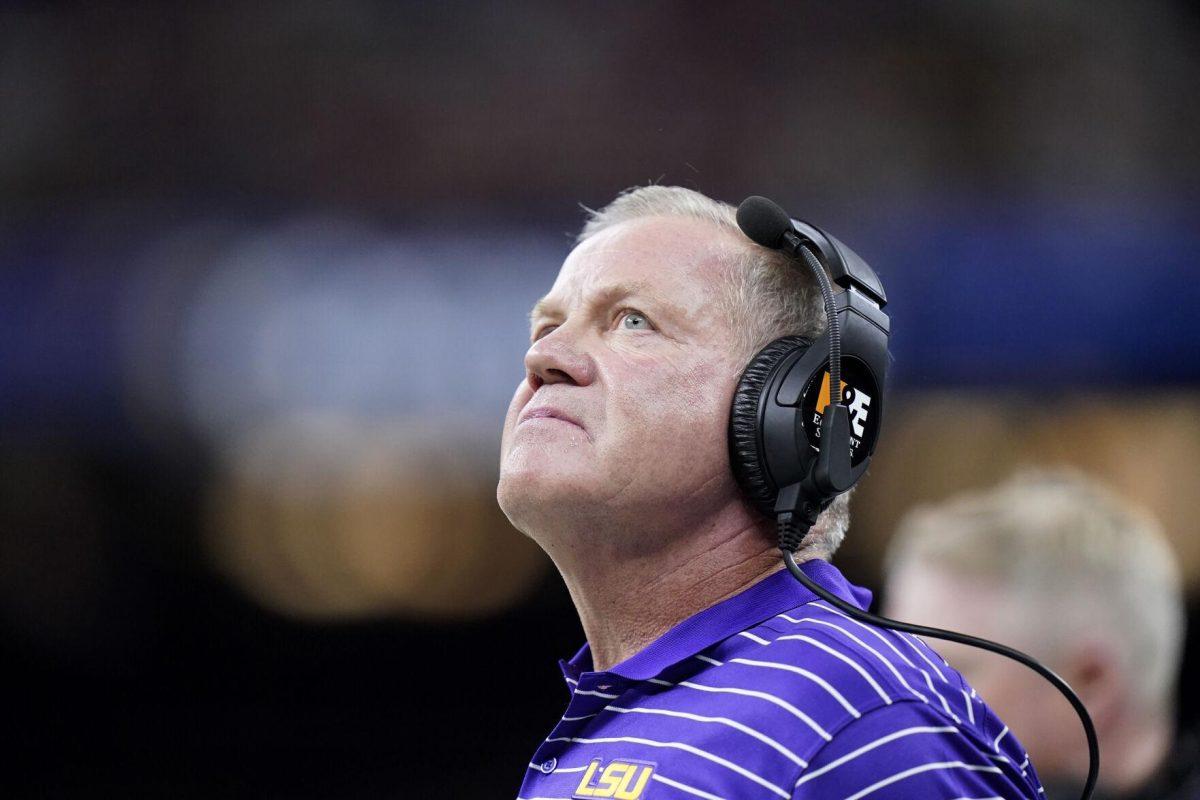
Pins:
x,y
528,487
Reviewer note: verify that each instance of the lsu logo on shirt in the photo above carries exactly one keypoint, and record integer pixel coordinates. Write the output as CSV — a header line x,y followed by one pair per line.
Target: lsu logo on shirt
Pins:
x,y
623,780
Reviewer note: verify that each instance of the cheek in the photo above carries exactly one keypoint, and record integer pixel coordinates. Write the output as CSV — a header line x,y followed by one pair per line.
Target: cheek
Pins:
x,y
682,415
706,384
519,399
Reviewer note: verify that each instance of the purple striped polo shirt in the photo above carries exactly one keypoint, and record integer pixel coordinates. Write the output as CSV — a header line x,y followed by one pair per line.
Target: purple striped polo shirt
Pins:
x,y
773,693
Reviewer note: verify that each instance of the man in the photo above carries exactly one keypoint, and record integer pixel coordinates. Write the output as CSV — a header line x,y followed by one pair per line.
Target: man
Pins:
x,y
707,671
1058,566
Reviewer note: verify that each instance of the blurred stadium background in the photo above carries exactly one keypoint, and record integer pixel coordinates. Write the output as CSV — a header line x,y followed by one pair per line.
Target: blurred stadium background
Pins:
x,y
264,271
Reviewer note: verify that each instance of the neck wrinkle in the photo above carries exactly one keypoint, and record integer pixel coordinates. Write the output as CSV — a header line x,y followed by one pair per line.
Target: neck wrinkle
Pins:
x,y
626,603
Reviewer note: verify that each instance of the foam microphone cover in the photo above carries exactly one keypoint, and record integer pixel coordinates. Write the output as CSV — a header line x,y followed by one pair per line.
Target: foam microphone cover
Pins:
x,y
763,221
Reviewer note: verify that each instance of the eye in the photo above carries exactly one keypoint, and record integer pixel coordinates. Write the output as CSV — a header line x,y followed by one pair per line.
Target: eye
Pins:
x,y
542,331
635,321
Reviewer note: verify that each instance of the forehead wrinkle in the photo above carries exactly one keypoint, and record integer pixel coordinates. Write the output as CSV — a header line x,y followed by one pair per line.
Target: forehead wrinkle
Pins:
x,y
610,245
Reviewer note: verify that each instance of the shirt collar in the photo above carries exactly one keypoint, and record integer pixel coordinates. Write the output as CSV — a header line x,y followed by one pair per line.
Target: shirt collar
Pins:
x,y
774,594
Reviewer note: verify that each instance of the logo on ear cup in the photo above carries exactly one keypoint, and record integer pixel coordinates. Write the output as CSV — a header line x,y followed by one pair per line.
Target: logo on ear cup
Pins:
x,y
858,393
858,401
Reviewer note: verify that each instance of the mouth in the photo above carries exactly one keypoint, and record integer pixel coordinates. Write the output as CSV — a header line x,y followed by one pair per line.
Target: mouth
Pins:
x,y
548,413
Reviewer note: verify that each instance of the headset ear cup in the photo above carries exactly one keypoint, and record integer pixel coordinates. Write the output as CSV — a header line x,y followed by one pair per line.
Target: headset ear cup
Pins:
x,y
745,449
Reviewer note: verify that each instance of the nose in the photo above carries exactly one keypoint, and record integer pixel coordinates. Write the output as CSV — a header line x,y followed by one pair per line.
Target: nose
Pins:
x,y
555,358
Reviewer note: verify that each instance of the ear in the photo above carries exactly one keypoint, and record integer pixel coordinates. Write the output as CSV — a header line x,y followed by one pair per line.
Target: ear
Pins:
x,y
1094,671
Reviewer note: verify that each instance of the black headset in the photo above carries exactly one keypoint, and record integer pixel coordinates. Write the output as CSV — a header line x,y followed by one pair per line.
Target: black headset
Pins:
x,y
794,443
806,415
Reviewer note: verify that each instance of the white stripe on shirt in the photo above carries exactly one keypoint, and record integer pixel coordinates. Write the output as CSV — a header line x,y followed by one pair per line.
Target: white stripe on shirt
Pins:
x,y
842,657
945,705
908,773
892,667
770,698
911,641
999,736
1003,759
891,737
683,787
887,641
929,681
732,723
877,633
817,679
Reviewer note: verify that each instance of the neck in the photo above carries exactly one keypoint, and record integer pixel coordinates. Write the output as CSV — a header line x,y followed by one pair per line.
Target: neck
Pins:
x,y
626,600
1134,754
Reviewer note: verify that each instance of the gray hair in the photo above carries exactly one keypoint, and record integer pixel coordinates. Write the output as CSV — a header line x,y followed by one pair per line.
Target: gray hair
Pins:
x,y
764,297
1078,559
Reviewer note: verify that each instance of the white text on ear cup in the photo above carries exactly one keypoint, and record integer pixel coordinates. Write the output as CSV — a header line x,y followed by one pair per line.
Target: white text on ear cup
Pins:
x,y
859,401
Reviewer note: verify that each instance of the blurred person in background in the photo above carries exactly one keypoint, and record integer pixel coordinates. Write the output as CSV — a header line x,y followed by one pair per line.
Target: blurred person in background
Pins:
x,y
1055,564
708,671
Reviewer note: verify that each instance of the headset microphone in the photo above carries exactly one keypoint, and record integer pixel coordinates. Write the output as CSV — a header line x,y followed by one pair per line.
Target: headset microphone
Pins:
x,y
764,222
805,417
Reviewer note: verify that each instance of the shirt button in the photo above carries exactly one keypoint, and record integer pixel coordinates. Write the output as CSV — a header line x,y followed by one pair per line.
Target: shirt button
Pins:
x,y
548,765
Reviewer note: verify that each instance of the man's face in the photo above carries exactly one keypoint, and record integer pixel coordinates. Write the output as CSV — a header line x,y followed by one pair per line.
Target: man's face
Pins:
x,y
1040,717
625,401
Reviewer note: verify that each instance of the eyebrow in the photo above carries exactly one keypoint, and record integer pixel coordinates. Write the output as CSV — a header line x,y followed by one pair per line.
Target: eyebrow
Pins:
x,y
540,309
607,295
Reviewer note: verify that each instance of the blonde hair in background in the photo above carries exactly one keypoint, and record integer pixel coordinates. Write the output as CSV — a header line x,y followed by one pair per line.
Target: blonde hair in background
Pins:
x,y
1078,562
765,295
